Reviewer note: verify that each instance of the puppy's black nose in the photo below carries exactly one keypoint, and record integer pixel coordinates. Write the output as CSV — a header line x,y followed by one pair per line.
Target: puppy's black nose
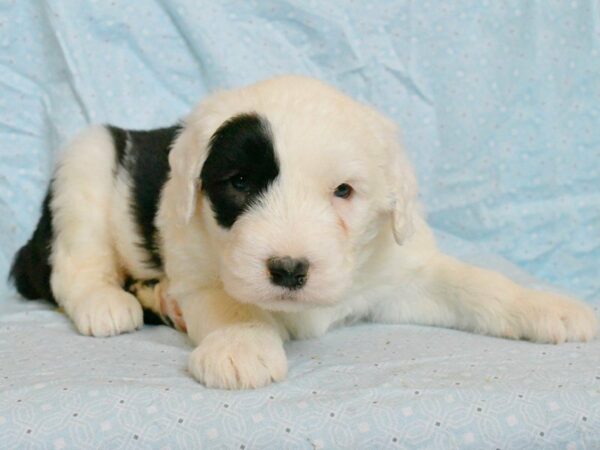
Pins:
x,y
288,272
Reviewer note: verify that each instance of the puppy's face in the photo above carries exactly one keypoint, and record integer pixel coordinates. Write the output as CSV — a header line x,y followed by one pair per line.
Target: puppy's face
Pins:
x,y
294,185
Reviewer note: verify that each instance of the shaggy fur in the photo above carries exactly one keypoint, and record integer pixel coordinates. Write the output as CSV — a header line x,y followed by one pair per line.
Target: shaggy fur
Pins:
x,y
284,209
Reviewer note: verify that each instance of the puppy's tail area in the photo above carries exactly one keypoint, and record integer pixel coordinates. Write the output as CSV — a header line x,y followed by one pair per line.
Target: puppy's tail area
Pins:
x,y
30,271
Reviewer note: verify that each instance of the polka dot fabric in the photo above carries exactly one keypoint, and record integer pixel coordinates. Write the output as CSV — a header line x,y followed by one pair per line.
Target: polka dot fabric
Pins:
x,y
499,103
365,386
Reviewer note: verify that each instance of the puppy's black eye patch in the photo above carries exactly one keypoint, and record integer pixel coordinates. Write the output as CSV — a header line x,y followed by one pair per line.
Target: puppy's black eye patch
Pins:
x,y
241,164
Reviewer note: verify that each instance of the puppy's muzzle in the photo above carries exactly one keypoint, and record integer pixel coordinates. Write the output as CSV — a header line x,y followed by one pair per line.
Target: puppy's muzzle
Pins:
x,y
289,273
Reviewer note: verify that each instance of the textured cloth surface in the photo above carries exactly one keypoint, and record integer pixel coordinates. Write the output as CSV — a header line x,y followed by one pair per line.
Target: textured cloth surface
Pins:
x,y
499,103
366,386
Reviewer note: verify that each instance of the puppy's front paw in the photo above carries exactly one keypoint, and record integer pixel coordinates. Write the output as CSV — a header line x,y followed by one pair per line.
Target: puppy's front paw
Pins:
x,y
239,357
107,312
552,318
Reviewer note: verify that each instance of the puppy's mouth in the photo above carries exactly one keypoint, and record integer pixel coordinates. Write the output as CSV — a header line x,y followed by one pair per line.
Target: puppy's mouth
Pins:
x,y
288,296
256,287
292,300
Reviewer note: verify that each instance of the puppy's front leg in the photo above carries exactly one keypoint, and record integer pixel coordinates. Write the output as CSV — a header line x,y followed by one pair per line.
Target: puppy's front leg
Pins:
x,y
238,346
446,292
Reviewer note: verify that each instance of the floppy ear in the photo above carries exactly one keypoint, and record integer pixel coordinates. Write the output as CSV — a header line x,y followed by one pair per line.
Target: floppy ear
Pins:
x,y
186,159
402,184
404,194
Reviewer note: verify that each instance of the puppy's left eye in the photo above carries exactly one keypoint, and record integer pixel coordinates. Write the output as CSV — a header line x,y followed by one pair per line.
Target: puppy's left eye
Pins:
x,y
240,183
344,191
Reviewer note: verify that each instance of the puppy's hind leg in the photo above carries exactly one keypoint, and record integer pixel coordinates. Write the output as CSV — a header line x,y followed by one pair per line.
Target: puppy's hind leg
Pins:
x,y
86,279
158,306
446,292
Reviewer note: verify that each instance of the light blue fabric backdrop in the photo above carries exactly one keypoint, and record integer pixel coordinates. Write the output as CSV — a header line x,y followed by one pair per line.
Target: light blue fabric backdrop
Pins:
x,y
499,102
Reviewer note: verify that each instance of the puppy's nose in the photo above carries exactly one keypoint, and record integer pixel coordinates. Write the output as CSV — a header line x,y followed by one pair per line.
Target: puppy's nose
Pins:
x,y
288,272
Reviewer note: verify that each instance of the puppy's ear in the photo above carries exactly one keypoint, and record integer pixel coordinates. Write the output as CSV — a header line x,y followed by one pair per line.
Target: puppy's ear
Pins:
x,y
186,159
404,198
402,184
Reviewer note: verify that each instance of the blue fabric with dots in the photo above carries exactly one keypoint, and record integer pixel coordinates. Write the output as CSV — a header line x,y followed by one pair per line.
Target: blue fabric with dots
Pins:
x,y
499,103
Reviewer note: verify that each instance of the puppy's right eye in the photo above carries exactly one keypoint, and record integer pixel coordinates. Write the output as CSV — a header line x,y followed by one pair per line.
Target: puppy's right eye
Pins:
x,y
239,183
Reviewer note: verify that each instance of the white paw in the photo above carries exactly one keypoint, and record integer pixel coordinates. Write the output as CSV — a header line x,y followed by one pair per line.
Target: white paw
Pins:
x,y
239,357
552,318
107,312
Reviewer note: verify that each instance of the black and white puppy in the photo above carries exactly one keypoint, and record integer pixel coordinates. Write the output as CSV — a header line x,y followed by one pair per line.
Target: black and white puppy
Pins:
x,y
274,211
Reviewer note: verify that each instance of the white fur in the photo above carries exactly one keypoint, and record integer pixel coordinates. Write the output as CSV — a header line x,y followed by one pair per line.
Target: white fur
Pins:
x,y
372,256
87,273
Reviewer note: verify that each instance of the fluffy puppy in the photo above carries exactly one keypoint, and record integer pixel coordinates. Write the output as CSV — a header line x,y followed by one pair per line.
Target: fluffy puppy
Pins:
x,y
274,211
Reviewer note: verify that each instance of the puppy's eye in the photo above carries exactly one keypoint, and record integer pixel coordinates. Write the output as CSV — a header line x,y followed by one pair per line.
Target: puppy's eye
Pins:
x,y
343,191
240,183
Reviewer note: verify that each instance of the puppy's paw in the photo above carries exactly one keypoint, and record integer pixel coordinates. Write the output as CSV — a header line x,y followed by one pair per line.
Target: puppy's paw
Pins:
x,y
552,318
239,357
107,312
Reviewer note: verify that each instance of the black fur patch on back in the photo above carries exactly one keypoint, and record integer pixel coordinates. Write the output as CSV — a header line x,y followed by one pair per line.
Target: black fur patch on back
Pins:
x,y
241,164
30,271
145,157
